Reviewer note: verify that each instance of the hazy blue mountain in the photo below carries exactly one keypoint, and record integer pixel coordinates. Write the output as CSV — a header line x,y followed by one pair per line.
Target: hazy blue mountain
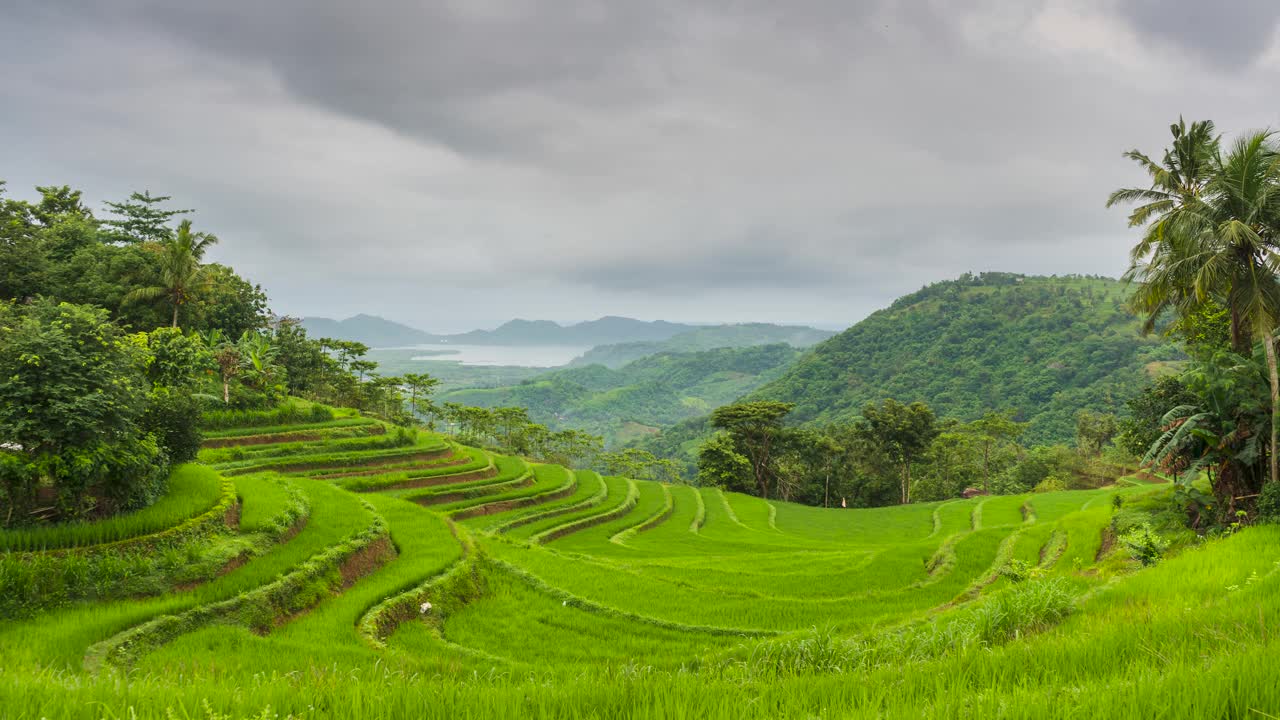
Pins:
x,y
368,329
606,330
380,332
616,341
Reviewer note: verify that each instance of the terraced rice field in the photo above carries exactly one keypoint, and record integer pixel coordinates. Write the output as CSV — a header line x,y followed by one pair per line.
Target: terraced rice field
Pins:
x,y
371,576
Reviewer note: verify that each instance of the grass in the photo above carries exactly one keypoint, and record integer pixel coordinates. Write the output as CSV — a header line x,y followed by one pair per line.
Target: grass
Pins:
x,y
583,596
192,490
288,428
61,638
293,410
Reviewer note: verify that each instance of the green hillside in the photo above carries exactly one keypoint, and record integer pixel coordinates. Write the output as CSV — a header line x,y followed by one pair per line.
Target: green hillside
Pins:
x,y
1041,347
704,338
637,399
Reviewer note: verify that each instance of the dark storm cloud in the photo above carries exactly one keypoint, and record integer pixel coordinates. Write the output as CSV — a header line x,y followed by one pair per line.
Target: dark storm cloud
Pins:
x,y
1227,33
803,160
459,72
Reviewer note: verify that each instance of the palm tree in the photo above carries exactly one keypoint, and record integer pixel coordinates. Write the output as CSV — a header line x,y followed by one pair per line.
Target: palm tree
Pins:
x,y
1219,244
1178,184
1242,222
180,268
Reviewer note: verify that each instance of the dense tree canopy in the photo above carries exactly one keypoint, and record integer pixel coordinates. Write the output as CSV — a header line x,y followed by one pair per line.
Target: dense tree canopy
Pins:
x,y
1037,349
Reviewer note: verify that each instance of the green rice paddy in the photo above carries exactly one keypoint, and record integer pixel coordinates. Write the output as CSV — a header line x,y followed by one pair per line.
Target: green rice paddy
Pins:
x,y
485,586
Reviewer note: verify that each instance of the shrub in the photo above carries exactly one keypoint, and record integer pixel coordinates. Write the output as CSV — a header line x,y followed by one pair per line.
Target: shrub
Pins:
x,y
1144,544
72,392
1050,484
1269,503
1029,607
192,490
1019,570
173,416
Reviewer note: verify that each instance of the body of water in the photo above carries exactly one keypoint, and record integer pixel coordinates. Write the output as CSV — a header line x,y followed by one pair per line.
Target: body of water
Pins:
x,y
517,355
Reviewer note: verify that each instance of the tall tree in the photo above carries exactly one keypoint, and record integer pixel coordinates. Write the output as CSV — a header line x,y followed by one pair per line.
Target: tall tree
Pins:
x,y
58,203
754,427
72,395
903,432
141,219
720,464
1165,209
421,386
993,430
181,271
1222,247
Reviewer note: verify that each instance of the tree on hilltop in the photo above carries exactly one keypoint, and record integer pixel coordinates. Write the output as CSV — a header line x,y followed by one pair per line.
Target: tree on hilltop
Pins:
x,y
181,271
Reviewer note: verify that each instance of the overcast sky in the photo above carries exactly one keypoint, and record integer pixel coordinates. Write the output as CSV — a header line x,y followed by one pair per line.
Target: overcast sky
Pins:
x,y
456,164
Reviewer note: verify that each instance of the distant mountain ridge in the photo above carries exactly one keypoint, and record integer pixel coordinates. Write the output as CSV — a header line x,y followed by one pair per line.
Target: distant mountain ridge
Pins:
x,y
368,329
703,338
606,331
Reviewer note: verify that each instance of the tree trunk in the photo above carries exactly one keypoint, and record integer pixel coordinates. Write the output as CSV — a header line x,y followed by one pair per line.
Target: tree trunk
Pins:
x,y
826,491
760,483
226,391
762,470
986,466
1269,340
175,315
906,483
1241,338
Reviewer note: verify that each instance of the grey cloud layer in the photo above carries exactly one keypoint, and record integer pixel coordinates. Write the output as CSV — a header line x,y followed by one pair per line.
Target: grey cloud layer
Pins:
x,y
702,160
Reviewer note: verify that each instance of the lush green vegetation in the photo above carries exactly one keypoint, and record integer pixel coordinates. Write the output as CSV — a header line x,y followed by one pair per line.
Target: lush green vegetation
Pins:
x,y
641,397
192,490
638,599
704,338
320,561
1019,381
1040,349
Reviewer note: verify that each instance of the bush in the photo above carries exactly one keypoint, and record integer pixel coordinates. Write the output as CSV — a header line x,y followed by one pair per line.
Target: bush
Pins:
x,y
173,417
72,393
1144,544
1050,484
1269,503
1020,570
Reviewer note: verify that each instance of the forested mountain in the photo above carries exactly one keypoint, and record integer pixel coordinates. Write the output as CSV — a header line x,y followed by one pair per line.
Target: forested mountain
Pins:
x,y
635,400
1041,347
371,330
704,338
